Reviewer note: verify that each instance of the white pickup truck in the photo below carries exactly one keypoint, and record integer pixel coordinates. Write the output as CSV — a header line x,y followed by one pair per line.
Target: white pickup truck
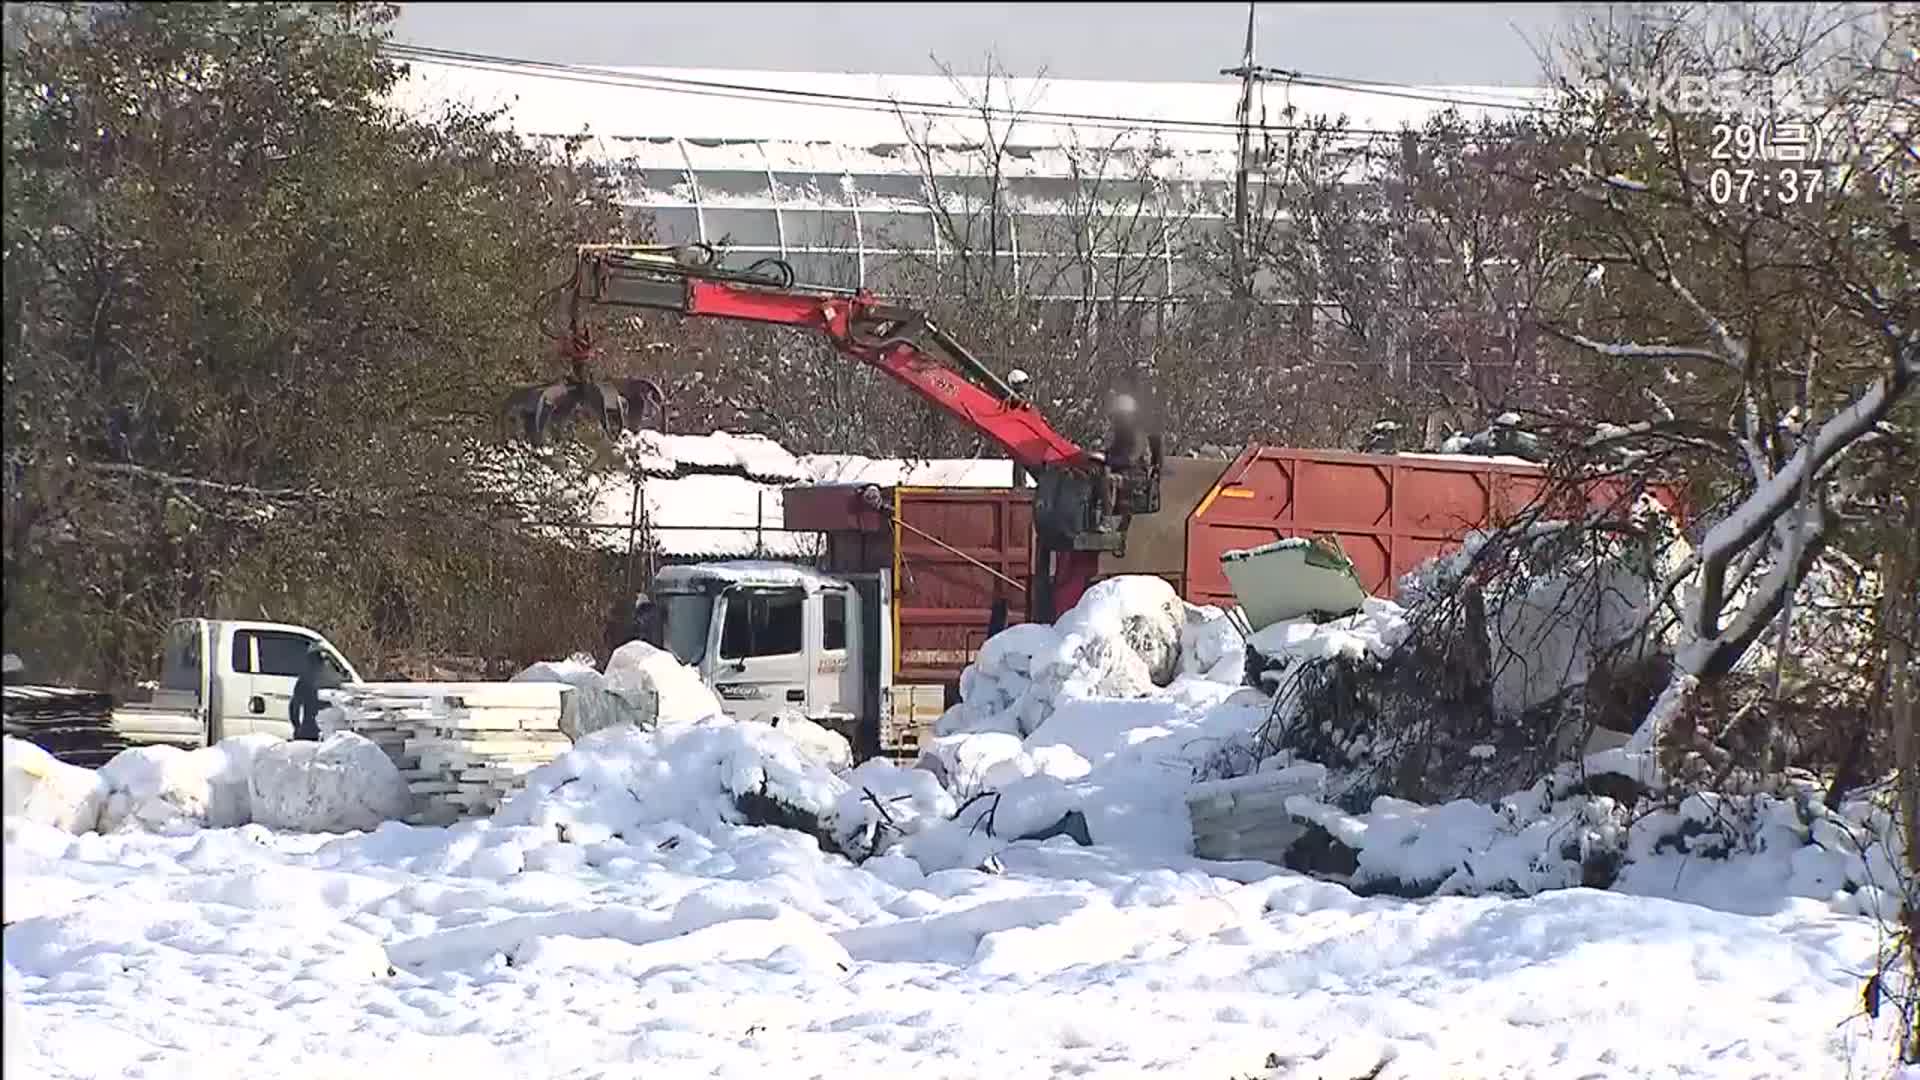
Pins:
x,y
221,678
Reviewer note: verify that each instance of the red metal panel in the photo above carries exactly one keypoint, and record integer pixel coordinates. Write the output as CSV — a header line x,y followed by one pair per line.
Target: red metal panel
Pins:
x,y
831,508
1390,512
1342,494
1441,501
959,550
956,550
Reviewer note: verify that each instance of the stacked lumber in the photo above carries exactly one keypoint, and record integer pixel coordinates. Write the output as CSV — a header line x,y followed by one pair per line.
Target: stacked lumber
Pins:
x,y
75,726
82,727
463,748
1246,817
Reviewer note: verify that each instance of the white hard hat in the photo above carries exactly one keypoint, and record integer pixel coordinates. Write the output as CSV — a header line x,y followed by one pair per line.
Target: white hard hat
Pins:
x,y
1017,377
1124,405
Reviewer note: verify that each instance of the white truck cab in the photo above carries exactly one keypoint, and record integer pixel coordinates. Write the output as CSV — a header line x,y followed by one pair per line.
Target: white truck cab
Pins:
x,y
235,677
772,637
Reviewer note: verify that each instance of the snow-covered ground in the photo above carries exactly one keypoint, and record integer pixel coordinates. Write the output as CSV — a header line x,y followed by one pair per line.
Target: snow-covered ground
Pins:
x,y
485,951
618,919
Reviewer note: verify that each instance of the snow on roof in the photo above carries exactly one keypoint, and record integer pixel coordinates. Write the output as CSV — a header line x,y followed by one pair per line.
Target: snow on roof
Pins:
x,y
721,495
700,516
639,104
907,472
742,572
755,456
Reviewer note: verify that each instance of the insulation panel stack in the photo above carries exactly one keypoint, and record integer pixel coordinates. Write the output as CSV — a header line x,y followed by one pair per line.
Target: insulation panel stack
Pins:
x,y
464,748
1246,817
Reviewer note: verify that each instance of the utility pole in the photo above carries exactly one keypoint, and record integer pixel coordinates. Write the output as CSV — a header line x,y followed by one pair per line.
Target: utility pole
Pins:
x,y
1243,116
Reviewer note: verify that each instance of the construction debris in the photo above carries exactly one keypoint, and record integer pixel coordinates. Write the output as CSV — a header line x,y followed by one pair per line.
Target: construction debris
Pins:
x,y
464,749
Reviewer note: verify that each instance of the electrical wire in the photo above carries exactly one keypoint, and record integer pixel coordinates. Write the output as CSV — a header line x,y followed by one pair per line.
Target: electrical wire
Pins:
x,y
1405,91
945,110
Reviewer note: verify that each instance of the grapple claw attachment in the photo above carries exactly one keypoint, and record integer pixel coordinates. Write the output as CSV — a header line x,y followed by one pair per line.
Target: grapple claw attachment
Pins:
x,y
533,411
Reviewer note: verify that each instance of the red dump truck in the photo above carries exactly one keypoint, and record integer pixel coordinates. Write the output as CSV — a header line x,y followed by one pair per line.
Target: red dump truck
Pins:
x,y
914,579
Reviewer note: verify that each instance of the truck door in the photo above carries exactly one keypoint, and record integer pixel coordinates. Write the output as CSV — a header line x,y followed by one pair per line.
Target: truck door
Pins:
x,y
762,666
831,697
266,663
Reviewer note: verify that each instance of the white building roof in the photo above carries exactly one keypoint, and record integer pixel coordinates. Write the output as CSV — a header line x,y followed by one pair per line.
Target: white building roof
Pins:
x,y
859,110
827,171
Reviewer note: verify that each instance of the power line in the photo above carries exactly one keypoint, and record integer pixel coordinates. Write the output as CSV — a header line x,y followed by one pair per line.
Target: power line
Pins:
x,y
1407,91
946,110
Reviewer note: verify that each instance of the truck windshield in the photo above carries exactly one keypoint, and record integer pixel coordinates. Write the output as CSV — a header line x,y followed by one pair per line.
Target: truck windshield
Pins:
x,y
688,618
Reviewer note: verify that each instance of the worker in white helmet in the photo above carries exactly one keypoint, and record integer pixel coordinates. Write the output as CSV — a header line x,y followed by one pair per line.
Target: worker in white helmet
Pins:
x,y
1017,381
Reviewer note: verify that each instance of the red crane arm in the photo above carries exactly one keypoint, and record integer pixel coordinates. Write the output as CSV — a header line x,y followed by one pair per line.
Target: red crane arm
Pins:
x,y
1003,417
858,326
688,279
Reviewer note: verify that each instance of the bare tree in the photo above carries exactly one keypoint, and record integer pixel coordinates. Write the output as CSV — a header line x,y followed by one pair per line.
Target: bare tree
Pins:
x,y
1774,301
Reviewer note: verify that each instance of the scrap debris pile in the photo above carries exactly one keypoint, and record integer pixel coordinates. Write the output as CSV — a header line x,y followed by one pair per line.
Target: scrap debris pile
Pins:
x,y
1365,745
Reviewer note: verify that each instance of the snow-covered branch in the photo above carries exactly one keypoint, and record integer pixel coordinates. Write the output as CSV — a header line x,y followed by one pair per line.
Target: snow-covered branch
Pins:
x,y
248,491
1755,516
1733,348
1623,350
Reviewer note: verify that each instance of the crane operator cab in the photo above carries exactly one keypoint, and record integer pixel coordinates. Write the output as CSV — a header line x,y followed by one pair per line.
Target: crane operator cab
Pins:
x,y
1090,512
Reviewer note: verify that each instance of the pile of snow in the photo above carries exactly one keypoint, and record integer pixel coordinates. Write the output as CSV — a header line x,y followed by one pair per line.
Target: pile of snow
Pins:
x,y
491,950
341,784
596,701
708,776
646,687
1755,854
1372,633
1211,646
1122,640
1109,714
884,804
161,789
49,792
829,748
658,680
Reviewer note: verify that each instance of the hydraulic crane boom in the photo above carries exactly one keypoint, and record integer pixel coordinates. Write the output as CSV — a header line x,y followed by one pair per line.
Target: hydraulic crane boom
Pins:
x,y
1078,513
858,326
